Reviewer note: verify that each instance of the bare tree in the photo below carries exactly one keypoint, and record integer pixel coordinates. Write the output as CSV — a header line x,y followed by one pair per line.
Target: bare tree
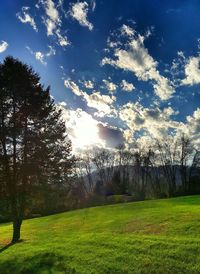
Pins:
x,y
168,155
188,160
104,162
124,161
87,167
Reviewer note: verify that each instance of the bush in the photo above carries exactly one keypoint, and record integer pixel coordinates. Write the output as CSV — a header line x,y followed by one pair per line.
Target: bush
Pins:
x,y
95,200
115,199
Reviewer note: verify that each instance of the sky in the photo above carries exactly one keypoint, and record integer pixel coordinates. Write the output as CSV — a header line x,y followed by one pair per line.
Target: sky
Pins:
x,y
124,72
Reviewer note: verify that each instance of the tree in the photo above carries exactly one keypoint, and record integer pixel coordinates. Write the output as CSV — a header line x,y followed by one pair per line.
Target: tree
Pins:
x,y
124,164
34,148
86,166
155,174
103,160
169,158
141,172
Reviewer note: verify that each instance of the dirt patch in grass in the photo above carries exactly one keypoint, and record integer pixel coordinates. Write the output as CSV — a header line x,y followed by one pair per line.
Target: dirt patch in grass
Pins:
x,y
147,228
5,242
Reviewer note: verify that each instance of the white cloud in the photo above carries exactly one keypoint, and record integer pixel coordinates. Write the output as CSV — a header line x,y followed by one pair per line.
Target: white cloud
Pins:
x,y
126,30
162,86
73,87
154,121
145,142
192,127
53,21
133,56
128,135
53,16
194,121
3,46
62,39
110,86
40,56
63,104
51,52
50,25
192,71
52,11
93,4
127,86
79,11
60,3
25,18
100,102
88,84
111,44
96,100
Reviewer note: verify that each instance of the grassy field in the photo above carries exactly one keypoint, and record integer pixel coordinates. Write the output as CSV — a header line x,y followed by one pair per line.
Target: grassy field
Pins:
x,y
160,236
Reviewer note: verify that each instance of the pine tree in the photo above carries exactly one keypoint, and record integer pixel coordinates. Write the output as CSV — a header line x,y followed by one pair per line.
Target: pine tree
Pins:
x,y
34,148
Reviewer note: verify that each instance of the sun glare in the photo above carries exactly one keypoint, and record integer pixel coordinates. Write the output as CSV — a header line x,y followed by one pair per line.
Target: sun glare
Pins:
x,y
86,132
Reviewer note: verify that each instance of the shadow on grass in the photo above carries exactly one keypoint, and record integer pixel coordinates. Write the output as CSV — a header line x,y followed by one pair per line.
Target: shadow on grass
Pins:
x,y
9,245
43,262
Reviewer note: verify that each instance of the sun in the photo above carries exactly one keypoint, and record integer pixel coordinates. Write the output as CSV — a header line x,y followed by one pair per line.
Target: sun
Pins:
x,y
86,132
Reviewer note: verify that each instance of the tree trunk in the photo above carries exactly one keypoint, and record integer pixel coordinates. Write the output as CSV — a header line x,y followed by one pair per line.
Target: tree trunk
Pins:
x,y
16,230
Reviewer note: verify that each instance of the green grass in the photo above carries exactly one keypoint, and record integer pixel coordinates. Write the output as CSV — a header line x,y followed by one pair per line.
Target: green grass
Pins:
x,y
159,236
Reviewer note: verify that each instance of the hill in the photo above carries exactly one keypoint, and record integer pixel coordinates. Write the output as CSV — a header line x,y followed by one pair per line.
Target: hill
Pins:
x,y
158,236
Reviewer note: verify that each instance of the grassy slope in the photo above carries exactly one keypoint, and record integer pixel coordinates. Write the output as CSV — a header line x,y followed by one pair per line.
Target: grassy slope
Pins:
x,y
160,236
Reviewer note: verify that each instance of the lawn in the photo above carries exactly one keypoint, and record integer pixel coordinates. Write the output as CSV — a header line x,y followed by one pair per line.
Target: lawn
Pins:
x,y
159,236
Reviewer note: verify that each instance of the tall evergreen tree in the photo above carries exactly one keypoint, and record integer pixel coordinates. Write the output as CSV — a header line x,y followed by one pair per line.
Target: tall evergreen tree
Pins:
x,y
34,148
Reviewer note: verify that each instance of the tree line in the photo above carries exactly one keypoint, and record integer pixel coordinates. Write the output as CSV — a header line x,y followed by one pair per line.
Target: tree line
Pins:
x,y
167,168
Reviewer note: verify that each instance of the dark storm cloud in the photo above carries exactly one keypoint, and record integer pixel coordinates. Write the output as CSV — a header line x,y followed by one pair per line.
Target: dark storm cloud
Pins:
x,y
113,137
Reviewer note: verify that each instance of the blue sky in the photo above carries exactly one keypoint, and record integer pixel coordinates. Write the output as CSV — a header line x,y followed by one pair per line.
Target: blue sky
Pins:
x,y
123,71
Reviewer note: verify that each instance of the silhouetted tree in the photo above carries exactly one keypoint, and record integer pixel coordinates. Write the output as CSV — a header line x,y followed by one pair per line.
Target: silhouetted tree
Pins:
x,y
103,160
169,158
124,162
33,145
